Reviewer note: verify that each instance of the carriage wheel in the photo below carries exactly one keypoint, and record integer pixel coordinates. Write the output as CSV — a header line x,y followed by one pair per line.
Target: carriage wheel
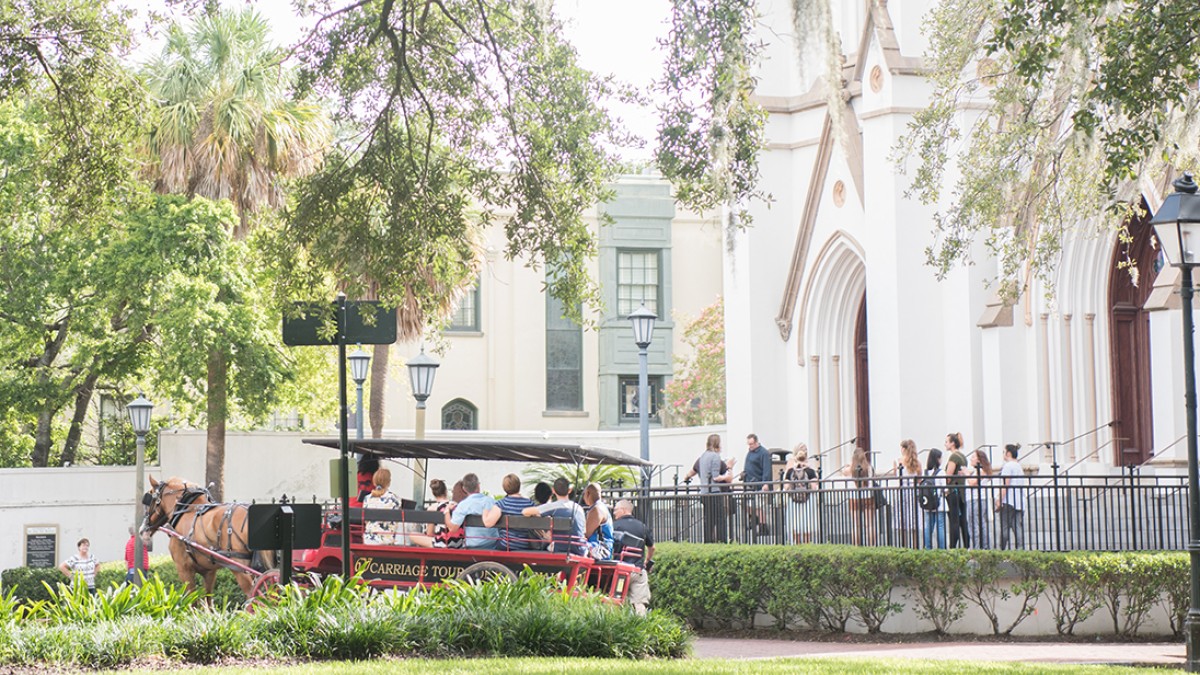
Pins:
x,y
486,571
266,584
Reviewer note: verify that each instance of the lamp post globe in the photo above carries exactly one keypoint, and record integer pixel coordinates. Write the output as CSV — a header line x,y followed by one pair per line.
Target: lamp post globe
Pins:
x,y
421,369
1177,228
360,366
139,410
642,321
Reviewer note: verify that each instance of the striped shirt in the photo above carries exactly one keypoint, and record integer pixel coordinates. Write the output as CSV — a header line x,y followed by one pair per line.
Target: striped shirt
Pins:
x,y
85,567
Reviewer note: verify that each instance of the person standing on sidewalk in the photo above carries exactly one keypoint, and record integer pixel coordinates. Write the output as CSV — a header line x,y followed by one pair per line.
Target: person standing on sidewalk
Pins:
x,y
935,516
130,549
1011,502
977,499
757,479
711,479
956,506
82,564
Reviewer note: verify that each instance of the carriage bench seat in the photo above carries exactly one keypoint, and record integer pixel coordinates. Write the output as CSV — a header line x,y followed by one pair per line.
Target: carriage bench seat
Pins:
x,y
424,517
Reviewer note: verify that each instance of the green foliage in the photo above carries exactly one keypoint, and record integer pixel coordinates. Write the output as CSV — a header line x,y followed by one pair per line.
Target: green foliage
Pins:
x,y
720,585
823,588
1069,129
28,584
455,116
696,395
68,126
1130,588
205,637
1030,586
711,129
227,126
1176,572
1073,587
331,619
579,476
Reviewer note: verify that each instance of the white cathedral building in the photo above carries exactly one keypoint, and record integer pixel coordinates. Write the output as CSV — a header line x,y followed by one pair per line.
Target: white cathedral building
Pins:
x,y
839,333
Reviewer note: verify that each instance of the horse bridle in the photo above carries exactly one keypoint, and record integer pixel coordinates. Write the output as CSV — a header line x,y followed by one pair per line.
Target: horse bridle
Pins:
x,y
153,502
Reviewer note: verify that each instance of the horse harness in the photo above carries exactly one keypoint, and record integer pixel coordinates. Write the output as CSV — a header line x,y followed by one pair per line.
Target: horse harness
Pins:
x,y
185,505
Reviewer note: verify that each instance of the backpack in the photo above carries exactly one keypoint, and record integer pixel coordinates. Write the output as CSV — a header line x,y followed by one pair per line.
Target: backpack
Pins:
x,y
927,493
802,483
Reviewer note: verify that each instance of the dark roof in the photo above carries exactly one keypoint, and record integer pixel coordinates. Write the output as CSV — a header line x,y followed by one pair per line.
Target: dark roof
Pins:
x,y
557,453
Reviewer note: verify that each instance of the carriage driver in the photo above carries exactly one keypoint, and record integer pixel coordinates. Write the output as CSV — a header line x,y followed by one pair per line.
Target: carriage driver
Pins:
x,y
629,535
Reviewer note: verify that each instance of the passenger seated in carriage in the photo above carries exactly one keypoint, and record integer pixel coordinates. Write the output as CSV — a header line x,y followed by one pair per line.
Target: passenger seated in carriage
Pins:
x,y
438,535
476,504
381,532
367,466
563,507
598,524
513,504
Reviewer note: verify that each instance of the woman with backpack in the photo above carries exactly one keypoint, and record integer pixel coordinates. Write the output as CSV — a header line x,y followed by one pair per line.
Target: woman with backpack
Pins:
x,y
931,496
800,481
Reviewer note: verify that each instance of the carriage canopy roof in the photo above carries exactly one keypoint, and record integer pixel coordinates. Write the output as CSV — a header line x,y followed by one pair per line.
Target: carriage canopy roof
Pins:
x,y
555,453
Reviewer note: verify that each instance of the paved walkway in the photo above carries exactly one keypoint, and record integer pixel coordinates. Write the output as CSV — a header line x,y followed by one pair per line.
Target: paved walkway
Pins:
x,y
1157,654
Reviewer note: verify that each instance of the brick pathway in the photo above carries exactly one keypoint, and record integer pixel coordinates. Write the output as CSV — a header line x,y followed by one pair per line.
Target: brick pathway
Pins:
x,y
1157,654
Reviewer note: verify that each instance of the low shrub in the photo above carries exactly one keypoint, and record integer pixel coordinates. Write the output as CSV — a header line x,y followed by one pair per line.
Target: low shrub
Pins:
x,y
818,587
332,619
29,584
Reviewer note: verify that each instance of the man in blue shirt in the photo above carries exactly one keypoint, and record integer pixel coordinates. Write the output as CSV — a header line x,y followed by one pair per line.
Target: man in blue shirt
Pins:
x,y
512,505
476,504
758,477
758,463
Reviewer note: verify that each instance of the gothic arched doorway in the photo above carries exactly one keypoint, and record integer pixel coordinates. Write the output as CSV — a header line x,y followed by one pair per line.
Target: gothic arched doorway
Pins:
x,y
1130,345
862,396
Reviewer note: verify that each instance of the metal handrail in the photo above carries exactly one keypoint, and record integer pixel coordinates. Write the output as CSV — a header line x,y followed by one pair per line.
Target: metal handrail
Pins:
x,y
1090,454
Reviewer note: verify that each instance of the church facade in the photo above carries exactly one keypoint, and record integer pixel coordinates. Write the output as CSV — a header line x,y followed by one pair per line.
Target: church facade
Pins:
x,y
839,334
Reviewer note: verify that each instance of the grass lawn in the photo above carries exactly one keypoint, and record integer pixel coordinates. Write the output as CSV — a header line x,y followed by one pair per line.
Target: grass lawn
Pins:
x,y
683,667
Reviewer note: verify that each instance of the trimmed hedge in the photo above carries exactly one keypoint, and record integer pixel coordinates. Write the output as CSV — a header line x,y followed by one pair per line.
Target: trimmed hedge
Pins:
x,y
824,588
26,583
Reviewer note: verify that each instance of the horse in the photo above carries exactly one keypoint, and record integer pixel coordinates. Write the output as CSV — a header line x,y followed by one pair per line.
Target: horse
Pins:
x,y
221,528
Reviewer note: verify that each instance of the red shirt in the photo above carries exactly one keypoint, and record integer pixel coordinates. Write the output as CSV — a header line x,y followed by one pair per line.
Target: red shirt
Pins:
x,y
366,482
129,555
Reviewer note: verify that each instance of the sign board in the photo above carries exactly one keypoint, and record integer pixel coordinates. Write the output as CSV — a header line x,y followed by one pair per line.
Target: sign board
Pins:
x,y
266,531
419,570
368,322
351,482
41,546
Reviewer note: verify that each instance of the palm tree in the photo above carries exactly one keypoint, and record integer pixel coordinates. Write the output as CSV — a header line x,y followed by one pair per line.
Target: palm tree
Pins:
x,y
228,129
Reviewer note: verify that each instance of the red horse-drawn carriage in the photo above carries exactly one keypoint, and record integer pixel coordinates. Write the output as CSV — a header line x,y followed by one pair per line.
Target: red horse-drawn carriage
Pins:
x,y
207,536
405,565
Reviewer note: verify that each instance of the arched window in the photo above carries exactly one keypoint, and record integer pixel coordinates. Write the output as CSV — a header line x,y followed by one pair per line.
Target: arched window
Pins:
x,y
460,414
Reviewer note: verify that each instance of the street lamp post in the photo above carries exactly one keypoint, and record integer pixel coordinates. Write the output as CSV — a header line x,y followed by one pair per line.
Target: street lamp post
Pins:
x,y
360,363
421,369
139,417
643,332
1177,227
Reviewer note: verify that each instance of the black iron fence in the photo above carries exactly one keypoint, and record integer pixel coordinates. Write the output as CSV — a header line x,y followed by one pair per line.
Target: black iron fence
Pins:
x,y
1058,513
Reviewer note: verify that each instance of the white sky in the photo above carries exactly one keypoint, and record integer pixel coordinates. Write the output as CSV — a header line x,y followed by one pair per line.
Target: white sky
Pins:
x,y
613,37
